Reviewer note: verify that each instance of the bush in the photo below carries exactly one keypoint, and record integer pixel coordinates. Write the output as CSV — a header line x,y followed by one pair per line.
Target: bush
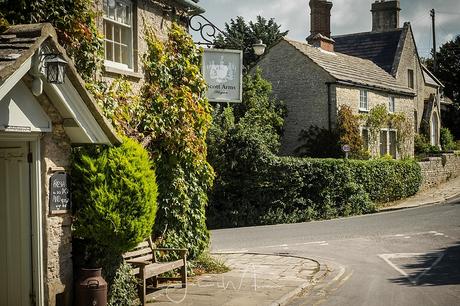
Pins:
x,y
289,190
319,143
447,140
123,290
423,147
115,192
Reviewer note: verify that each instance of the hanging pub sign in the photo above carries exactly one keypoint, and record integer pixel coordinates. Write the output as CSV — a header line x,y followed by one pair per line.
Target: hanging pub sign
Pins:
x,y
223,72
59,193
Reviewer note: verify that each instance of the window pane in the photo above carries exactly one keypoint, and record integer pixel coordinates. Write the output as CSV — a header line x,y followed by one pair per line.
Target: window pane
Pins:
x,y
365,136
383,143
108,50
116,33
125,55
108,27
393,144
117,54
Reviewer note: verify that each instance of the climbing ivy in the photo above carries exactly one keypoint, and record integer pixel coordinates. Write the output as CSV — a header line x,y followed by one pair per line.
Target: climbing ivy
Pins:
x,y
379,118
174,123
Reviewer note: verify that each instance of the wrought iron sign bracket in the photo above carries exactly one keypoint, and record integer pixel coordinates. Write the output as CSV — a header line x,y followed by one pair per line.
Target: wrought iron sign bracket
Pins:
x,y
208,31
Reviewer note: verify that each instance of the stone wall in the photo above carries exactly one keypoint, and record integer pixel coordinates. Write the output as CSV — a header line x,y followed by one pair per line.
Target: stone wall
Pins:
x,y
301,84
57,234
438,170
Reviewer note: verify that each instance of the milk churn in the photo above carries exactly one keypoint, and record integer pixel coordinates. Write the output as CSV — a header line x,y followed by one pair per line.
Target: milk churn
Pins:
x,y
91,288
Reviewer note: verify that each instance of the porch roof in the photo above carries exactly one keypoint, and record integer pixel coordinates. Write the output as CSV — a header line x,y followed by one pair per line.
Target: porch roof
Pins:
x,y
20,48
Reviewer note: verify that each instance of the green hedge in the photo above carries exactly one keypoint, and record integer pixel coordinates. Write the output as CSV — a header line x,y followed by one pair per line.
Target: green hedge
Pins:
x,y
288,190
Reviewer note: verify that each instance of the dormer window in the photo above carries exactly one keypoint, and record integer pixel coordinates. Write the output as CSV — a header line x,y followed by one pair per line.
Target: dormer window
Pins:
x,y
118,32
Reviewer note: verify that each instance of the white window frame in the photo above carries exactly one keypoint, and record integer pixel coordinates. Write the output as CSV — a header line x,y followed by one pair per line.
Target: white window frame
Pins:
x,y
128,44
388,144
391,104
363,100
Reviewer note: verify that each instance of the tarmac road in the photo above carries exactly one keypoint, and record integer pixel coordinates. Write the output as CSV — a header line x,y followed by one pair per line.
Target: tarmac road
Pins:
x,y
404,257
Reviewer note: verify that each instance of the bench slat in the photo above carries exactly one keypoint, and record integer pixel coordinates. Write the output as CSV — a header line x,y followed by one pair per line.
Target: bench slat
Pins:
x,y
155,269
137,253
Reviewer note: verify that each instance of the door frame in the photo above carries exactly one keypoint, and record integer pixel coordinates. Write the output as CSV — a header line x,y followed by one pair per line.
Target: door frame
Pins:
x,y
33,139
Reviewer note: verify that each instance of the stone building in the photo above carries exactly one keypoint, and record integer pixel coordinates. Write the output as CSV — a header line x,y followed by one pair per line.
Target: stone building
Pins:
x,y
361,70
39,123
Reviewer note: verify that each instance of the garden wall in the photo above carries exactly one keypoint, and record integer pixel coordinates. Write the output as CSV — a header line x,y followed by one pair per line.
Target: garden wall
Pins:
x,y
438,170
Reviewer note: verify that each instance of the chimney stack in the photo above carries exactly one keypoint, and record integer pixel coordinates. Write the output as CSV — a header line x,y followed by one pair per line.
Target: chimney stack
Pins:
x,y
385,15
320,25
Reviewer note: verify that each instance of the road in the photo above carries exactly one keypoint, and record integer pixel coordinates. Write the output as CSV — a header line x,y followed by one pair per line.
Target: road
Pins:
x,y
404,257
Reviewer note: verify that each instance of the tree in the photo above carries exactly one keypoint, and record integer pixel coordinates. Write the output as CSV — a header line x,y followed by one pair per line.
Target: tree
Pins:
x,y
241,35
448,72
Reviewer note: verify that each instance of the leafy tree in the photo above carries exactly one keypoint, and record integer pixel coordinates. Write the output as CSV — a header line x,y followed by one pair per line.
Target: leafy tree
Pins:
x,y
241,35
448,72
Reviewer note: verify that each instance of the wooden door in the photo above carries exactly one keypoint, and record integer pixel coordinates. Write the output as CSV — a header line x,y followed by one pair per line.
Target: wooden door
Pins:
x,y
15,226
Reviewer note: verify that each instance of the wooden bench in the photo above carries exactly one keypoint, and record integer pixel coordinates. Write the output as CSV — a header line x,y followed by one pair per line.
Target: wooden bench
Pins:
x,y
145,265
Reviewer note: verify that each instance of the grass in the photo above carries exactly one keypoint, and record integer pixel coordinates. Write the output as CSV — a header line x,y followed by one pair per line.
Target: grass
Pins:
x,y
207,264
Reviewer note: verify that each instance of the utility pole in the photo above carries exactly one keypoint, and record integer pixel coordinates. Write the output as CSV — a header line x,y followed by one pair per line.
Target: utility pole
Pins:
x,y
435,57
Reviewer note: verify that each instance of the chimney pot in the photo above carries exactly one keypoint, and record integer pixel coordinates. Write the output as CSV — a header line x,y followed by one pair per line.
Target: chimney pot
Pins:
x,y
385,15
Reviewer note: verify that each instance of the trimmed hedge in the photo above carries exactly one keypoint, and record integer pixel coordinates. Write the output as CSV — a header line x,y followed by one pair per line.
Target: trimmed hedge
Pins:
x,y
289,190
115,192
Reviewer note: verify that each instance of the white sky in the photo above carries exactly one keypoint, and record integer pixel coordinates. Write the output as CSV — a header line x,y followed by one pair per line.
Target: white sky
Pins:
x,y
348,16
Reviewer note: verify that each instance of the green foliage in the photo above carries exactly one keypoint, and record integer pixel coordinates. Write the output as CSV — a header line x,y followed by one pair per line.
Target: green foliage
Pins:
x,y
288,190
447,140
423,146
348,131
123,289
206,263
115,193
241,36
174,122
75,25
120,105
319,143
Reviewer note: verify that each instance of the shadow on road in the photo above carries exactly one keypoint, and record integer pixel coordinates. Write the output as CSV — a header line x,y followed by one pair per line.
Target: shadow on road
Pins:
x,y
439,268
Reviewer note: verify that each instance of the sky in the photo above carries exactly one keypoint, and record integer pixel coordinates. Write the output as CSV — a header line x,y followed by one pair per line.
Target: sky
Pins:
x,y
347,16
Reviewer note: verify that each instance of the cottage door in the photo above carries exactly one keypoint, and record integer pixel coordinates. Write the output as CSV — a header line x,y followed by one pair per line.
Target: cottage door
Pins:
x,y
15,226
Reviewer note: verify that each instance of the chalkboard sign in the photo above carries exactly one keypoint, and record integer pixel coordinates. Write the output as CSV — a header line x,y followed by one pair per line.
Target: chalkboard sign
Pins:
x,y
60,193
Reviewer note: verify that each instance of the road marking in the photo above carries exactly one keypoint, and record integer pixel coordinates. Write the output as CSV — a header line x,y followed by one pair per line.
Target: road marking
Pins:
x,y
387,258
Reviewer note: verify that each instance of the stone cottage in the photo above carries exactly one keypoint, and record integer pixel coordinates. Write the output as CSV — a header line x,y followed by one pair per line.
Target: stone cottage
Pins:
x,y
361,70
40,120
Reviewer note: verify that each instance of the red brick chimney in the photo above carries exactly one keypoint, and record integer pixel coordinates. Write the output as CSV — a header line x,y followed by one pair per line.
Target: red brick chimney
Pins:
x,y
320,25
385,15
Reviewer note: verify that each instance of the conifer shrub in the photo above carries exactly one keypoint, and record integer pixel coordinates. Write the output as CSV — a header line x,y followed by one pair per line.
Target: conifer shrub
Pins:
x,y
114,191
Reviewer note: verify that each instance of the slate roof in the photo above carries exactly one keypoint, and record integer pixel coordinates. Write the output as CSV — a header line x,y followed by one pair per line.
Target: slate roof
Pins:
x,y
351,70
20,42
379,47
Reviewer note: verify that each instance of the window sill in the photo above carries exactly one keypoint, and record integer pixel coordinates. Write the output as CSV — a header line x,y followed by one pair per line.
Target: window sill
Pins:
x,y
122,72
362,110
